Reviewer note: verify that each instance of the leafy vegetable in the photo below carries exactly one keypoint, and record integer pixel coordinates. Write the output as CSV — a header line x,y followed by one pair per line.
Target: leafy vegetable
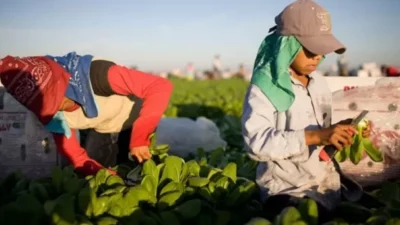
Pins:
x,y
216,187
360,145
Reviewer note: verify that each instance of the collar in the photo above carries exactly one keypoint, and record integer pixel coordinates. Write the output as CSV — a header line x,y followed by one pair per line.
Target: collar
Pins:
x,y
297,82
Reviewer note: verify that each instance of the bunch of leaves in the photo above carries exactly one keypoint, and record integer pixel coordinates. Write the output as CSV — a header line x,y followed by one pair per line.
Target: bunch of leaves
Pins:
x,y
220,158
30,200
168,190
305,214
360,146
189,192
347,213
173,191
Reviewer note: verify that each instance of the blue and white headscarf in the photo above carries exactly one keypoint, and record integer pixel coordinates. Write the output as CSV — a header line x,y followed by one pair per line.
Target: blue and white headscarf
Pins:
x,y
79,89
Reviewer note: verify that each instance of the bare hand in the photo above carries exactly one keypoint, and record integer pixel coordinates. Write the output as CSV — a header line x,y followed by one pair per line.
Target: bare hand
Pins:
x,y
366,132
339,135
141,153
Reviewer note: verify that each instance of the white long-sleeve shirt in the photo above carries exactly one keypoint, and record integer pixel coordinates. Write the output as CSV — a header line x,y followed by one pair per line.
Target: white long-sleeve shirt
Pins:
x,y
277,140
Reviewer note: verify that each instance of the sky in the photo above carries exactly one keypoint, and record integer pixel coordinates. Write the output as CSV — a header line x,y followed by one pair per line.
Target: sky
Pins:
x,y
159,35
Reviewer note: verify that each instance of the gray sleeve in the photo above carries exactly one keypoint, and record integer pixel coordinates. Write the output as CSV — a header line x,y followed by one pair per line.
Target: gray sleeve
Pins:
x,y
263,141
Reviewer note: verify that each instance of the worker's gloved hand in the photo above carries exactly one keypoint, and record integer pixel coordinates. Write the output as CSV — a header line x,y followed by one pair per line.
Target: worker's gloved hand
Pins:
x,y
141,153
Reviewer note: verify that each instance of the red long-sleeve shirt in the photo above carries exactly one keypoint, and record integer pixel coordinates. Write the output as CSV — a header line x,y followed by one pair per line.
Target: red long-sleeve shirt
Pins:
x,y
153,90
392,71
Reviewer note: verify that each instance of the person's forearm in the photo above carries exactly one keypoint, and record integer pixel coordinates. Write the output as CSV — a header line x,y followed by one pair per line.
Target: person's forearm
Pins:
x,y
75,154
312,137
153,90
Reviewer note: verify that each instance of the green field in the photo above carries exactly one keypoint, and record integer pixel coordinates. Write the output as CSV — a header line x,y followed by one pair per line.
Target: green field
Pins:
x,y
208,188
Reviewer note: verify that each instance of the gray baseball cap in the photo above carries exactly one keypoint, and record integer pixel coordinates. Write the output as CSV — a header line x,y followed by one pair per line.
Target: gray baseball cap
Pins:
x,y
311,25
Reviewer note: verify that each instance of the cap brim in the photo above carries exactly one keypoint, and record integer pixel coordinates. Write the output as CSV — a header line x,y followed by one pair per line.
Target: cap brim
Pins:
x,y
322,44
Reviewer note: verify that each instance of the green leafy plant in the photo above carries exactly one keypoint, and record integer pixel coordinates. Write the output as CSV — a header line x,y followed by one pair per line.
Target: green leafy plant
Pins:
x,y
216,187
360,145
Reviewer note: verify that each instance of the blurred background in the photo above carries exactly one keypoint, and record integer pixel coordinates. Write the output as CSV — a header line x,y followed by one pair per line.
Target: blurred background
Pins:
x,y
197,39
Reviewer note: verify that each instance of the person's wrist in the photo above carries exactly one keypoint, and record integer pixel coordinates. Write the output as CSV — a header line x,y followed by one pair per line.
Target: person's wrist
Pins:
x,y
313,137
